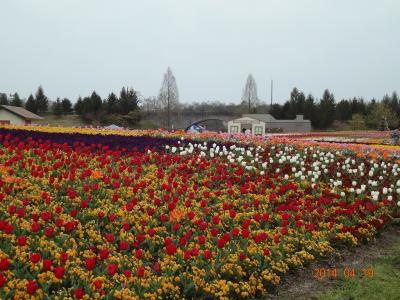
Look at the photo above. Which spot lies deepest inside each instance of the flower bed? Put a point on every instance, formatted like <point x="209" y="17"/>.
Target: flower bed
<point x="185" y="219"/>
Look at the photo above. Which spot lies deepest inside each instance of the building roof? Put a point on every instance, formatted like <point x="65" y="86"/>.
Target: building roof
<point x="113" y="126"/>
<point x="22" y="112"/>
<point x="261" y="117"/>
<point x="267" y="118"/>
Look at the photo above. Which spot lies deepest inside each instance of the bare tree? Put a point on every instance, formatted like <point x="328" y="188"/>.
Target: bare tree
<point x="250" y="93"/>
<point x="169" y="96"/>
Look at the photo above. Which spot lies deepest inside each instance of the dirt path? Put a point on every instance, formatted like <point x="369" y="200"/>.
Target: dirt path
<point x="303" y="285"/>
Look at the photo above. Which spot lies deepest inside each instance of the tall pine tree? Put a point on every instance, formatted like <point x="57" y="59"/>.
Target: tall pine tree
<point x="3" y="99"/>
<point x="66" y="106"/>
<point x="326" y="109"/>
<point x="16" y="100"/>
<point x="31" y="104"/>
<point x="42" y="101"/>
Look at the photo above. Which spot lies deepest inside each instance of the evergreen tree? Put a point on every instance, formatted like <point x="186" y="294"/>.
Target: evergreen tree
<point x="128" y="101"/>
<point x="395" y="103"/>
<point x="57" y="107"/>
<point x="95" y="103"/>
<point x="288" y="111"/>
<point x="78" y="107"/>
<point x="111" y="104"/>
<point x="3" y="99"/>
<point x="42" y="101"/>
<point x="276" y="111"/>
<point x="297" y="102"/>
<point x="358" y="106"/>
<point x="343" y="110"/>
<point x="66" y="106"/>
<point x="310" y="110"/>
<point x="16" y="100"/>
<point x="31" y="104"/>
<point x="326" y="109"/>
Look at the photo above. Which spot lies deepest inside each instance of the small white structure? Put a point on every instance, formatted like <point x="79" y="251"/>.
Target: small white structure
<point x="260" y="124"/>
<point x="113" y="127"/>
<point x="16" y="115"/>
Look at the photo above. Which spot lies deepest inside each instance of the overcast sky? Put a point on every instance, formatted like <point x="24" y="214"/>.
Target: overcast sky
<point x="72" y="47"/>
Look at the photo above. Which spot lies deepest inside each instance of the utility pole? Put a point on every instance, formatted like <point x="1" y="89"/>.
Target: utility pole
<point x="168" y="106"/>
<point x="272" y="91"/>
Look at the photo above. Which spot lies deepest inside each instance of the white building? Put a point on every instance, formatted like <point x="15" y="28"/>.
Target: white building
<point x="16" y="115"/>
<point x="260" y="124"/>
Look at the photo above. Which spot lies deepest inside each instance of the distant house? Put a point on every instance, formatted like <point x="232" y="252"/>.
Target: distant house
<point x="16" y="115"/>
<point x="260" y="124"/>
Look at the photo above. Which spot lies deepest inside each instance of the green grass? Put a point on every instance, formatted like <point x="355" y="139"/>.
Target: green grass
<point x="384" y="285"/>
<point x="67" y="120"/>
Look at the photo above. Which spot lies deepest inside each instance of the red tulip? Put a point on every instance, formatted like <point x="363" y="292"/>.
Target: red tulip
<point x="170" y="249"/>
<point x="59" y="272"/>
<point x="59" y="222"/>
<point x="110" y="237"/>
<point x="284" y="231"/>
<point x="64" y="257"/>
<point x="104" y="253"/>
<point x="127" y="273"/>
<point x="215" y="220"/>
<point x="49" y="231"/>
<point x="98" y="284"/>
<point x="277" y="238"/>
<point x="2" y="280"/>
<point x="123" y="245"/>
<point x="4" y="264"/>
<point x="245" y="233"/>
<point x="112" y="269"/>
<point x="152" y="232"/>
<point x="195" y="252"/>
<point x="21" y="240"/>
<point x="35" y="227"/>
<point x="12" y="209"/>
<point x="69" y="226"/>
<point x="221" y="243"/>
<point x="46" y="215"/>
<point x="21" y="212"/>
<point x="47" y="263"/>
<point x="235" y="231"/>
<point x="90" y="263"/>
<point x="207" y="254"/>
<point x="138" y="253"/>
<point x="73" y="213"/>
<point x="186" y="254"/>
<point x="79" y="293"/>
<point x="156" y="267"/>
<point x="35" y="257"/>
<point x="126" y="226"/>
<point x="140" y="272"/>
<point x="214" y="232"/>
<point x="112" y="217"/>
<point x="31" y="287"/>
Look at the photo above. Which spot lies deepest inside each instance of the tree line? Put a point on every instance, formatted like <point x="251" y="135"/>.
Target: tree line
<point x="357" y="112"/>
<point x="36" y="104"/>
<point x="122" y="110"/>
<point x="128" y="108"/>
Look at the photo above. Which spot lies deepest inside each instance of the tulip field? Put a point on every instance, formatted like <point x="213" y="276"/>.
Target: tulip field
<point x="87" y="213"/>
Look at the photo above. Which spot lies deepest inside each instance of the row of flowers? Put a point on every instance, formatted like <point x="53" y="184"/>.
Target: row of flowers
<point x="181" y="219"/>
<point x="360" y="141"/>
